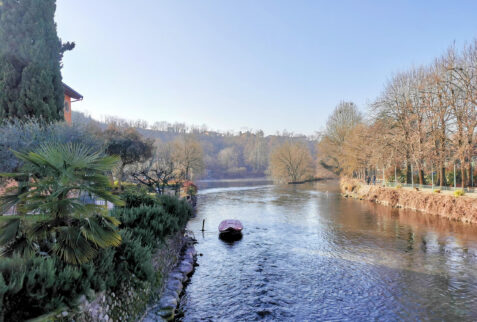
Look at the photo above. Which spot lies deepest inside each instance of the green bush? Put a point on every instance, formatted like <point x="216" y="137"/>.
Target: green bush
<point x="135" y="196"/>
<point x="459" y="193"/>
<point x="134" y="258"/>
<point x="152" y="223"/>
<point x="28" y="135"/>
<point x="33" y="286"/>
<point x="30" y="287"/>
<point x="179" y="208"/>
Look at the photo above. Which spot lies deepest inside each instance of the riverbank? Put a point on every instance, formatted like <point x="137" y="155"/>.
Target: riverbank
<point x="461" y="208"/>
<point x="311" y="180"/>
<point x="173" y="285"/>
<point x="131" y="300"/>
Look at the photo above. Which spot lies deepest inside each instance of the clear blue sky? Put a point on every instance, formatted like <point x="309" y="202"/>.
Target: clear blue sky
<point x="253" y="64"/>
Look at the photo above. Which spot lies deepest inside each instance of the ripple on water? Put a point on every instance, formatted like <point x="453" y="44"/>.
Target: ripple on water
<point x="310" y="255"/>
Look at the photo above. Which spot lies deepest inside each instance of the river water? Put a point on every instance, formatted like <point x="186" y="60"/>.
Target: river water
<point x="308" y="254"/>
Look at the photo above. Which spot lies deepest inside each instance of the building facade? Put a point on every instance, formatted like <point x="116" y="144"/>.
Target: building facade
<point x="70" y="96"/>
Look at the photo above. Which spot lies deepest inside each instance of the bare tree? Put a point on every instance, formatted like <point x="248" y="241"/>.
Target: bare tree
<point x="291" y="162"/>
<point x="188" y="155"/>
<point x="157" y="172"/>
<point x="339" y="125"/>
<point x="256" y="151"/>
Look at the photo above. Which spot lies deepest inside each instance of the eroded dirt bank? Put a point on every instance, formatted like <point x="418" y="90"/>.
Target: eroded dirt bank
<point x="454" y="208"/>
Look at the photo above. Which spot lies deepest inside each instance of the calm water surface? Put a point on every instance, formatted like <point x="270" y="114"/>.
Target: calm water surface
<point x="308" y="255"/>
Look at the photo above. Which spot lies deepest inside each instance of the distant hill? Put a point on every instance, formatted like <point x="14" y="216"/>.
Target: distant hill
<point x="227" y="155"/>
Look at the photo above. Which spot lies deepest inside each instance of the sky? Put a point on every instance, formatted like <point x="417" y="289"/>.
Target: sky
<point x="248" y="64"/>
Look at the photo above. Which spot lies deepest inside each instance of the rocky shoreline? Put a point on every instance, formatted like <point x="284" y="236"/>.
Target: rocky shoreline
<point x="463" y="209"/>
<point x="174" y="284"/>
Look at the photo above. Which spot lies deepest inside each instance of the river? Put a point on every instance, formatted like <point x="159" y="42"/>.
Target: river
<point x="308" y="254"/>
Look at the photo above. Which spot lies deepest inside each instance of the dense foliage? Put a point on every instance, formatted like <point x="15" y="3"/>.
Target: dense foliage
<point x="32" y="286"/>
<point x="51" y="183"/>
<point x="128" y="144"/>
<point x="28" y="135"/>
<point x="150" y="220"/>
<point x="30" y="60"/>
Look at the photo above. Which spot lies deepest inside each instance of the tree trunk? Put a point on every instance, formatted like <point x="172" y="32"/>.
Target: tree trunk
<point x="186" y="173"/>
<point x="421" y="177"/>
<point x="442" y="175"/>
<point x="408" y="173"/>
<point x="469" y="173"/>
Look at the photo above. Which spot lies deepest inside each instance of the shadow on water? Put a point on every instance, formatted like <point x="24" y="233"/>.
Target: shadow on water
<point x="230" y="240"/>
<point x="309" y="254"/>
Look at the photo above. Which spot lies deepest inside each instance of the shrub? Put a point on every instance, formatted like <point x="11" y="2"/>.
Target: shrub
<point x="30" y="134"/>
<point x="152" y="223"/>
<point x="437" y="190"/>
<point x="178" y="208"/>
<point x="398" y="186"/>
<point x="134" y="258"/>
<point x="135" y="196"/>
<point x="33" y="286"/>
<point x="459" y="193"/>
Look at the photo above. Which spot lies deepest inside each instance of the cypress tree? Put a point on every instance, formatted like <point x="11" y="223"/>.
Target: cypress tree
<point x="30" y="61"/>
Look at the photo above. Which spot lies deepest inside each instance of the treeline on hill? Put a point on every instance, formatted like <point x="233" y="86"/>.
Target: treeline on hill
<point x="225" y="155"/>
<point x="423" y="124"/>
<point x="160" y="159"/>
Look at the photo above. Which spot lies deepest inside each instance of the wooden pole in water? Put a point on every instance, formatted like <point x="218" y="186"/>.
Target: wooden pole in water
<point x="203" y="224"/>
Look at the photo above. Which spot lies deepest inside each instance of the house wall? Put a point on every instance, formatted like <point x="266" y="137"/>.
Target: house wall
<point x="67" y="113"/>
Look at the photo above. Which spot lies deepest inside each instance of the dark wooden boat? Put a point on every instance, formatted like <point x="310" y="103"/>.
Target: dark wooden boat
<point x="230" y="229"/>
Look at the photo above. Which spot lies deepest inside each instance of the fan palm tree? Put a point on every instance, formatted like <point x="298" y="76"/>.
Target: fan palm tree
<point x="52" y="219"/>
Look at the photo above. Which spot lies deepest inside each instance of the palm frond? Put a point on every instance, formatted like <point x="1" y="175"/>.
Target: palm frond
<point x="54" y="178"/>
<point x="9" y="231"/>
<point x="102" y="236"/>
<point x="72" y="247"/>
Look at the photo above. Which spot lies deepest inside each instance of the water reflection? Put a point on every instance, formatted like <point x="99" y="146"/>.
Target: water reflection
<point x="309" y="254"/>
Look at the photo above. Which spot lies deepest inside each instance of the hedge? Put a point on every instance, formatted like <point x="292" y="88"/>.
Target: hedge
<point x="33" y="286"/>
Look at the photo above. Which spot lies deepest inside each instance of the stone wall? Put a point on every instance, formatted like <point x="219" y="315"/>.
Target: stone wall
<point x="462" y="208"/>
<point x="166" y="308"/>
<point x="131" y="301"/>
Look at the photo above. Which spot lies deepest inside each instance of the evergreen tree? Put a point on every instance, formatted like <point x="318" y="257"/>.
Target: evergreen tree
<point x="30" y="60"/>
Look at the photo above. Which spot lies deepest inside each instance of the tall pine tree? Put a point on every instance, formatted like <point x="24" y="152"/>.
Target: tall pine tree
<point x="30" y="61"/>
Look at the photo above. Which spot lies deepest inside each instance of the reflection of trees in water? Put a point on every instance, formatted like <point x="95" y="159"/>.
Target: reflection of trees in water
<point x="420" y="223"/>
<point x="296" y="196"/>
<point x="416" y="238"/>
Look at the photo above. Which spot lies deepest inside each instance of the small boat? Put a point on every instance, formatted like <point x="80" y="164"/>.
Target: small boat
<point x="230" y="229"/>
